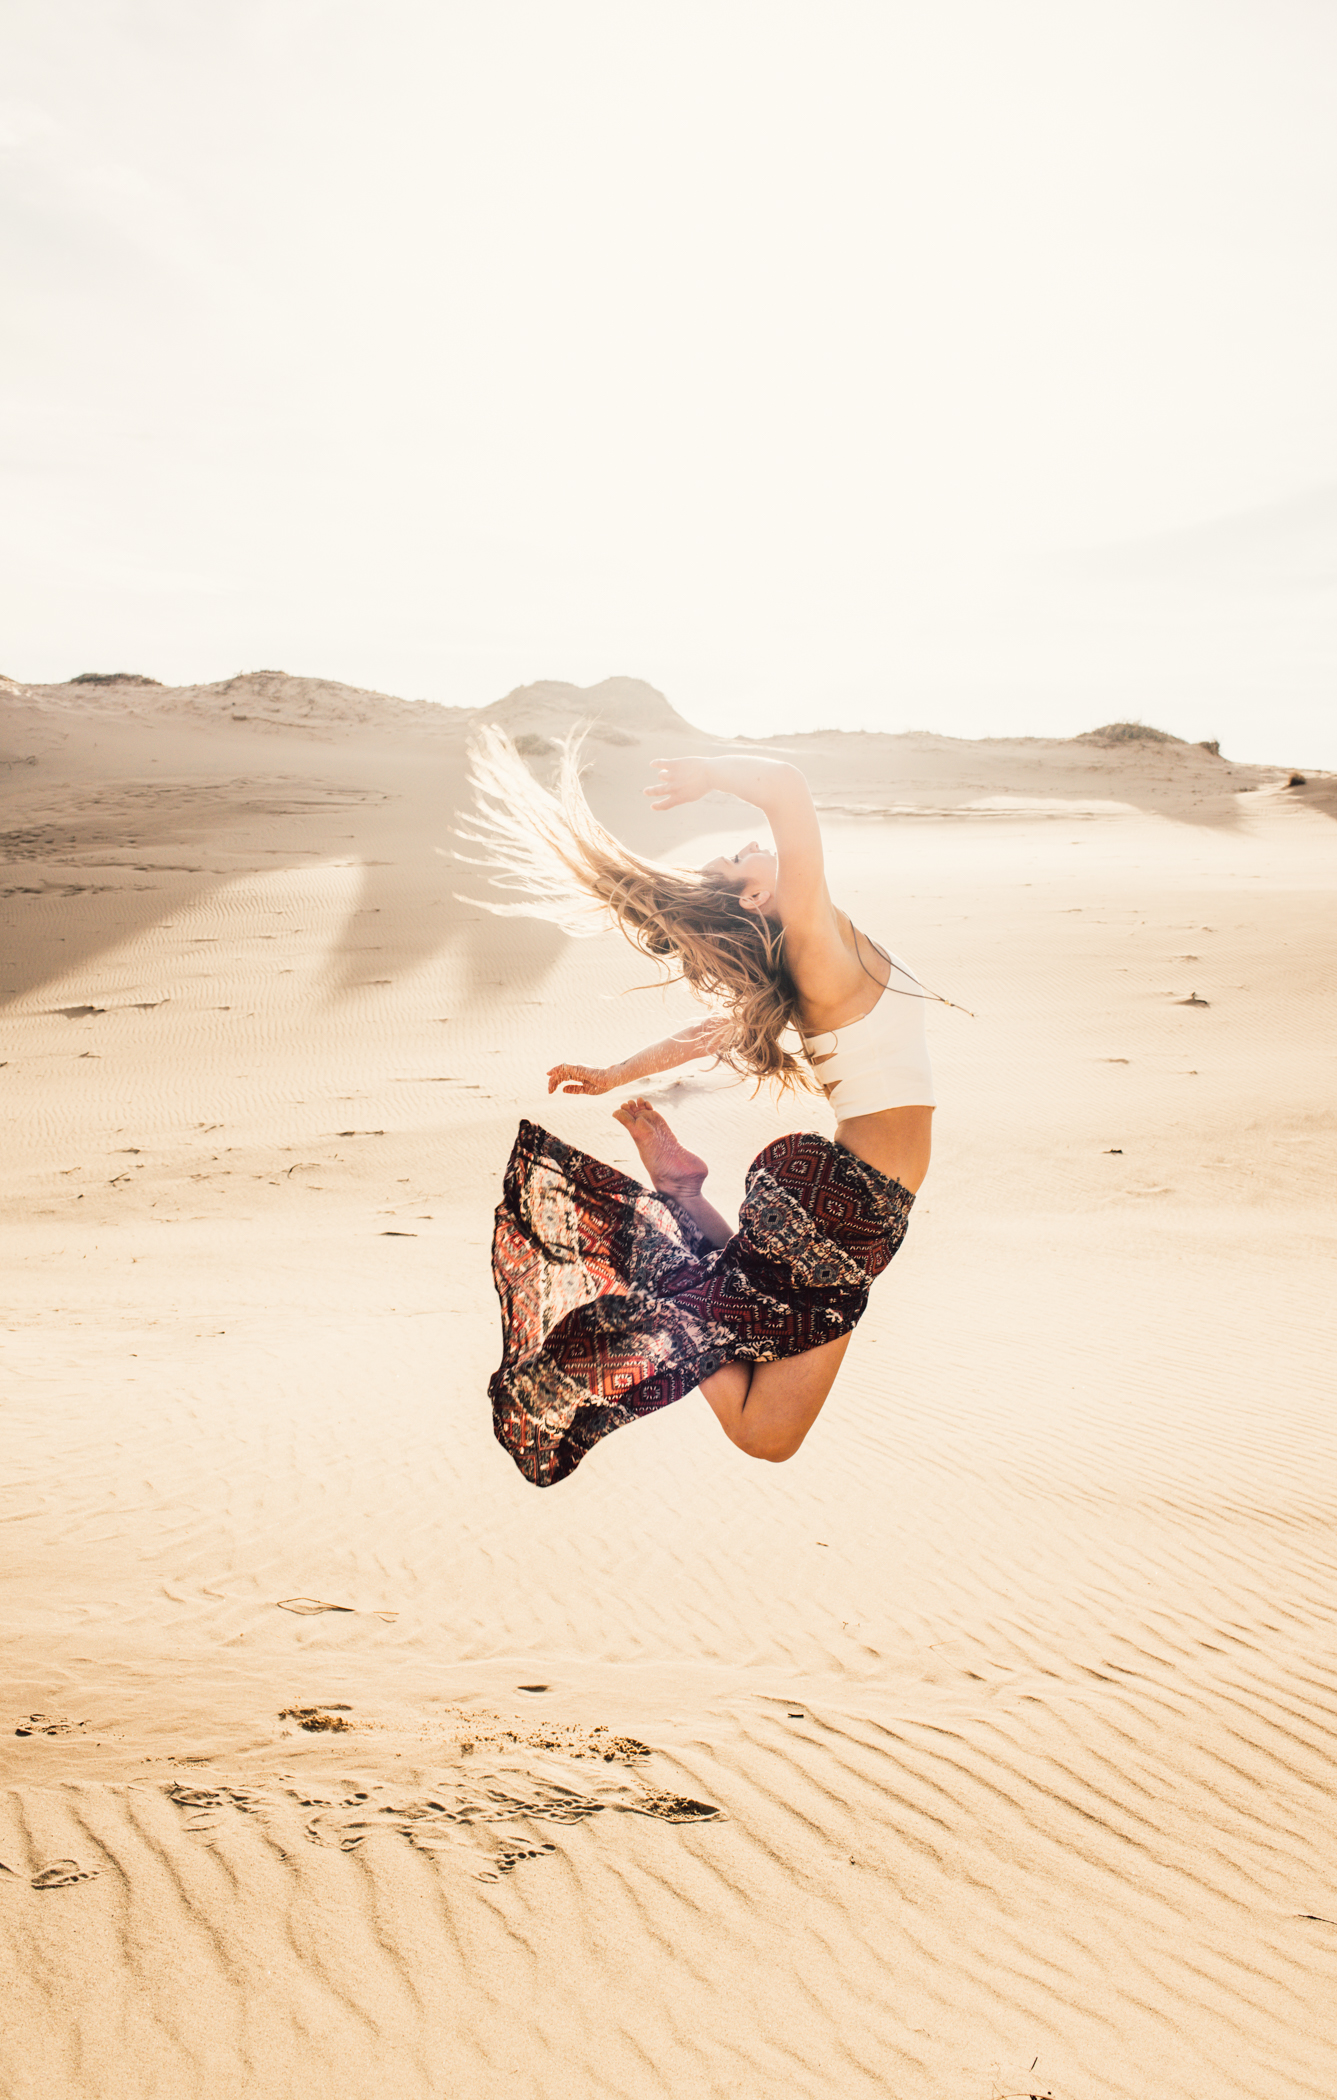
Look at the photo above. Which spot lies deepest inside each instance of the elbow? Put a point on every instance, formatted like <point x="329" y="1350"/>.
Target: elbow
<point x="784" y="779"/>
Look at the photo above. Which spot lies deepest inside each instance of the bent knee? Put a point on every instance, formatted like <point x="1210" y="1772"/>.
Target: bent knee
<point x="773" y="1449"/>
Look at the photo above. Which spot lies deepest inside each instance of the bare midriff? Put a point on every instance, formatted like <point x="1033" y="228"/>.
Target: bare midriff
<point x="897" y="1141"/>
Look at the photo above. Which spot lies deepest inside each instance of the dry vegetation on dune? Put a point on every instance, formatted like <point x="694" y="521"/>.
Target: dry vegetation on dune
<point x="1130" y="733"/>
<point x="984" y="1749"/>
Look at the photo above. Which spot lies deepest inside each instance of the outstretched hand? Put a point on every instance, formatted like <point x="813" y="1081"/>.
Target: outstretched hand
<point x="680" y="780"/>
<point x="579" y="1079"/>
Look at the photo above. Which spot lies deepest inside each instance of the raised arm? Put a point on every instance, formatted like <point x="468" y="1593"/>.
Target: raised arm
<point x="772" y="785"/>
<point x="699" y="1039"/>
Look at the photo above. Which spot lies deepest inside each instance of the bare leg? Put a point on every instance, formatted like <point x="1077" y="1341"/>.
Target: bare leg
<point x="673" y="1170"/>
<point x="768" y="1409"/>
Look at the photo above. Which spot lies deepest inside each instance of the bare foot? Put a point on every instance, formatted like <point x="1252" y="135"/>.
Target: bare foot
<point x="673" y="1170"/>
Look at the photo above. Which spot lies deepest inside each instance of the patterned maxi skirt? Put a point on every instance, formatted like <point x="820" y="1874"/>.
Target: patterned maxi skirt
<point x="613" y="1304"/>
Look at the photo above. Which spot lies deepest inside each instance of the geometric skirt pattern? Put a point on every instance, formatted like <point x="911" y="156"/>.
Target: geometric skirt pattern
<point x="614" y="1305"/>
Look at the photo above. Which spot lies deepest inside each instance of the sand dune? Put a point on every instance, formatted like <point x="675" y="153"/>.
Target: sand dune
<point x="984" y="1749"/>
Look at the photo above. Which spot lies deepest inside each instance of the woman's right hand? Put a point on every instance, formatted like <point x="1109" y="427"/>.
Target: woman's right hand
<point x="580" y="1079"/>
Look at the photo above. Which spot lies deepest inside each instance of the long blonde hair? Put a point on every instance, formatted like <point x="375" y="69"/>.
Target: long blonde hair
<point x="550" y="846"/>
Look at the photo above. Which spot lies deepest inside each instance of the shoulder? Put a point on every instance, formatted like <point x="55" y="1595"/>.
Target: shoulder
<point x="821" y="957"/>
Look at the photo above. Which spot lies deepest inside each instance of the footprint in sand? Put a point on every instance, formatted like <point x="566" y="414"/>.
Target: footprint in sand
<point x="554" y="1773"/>
<point x="203" y="1804"/>
<point x="62" y="1873"/>
<point x="328" y="1720"/>
<point x="509" y="1856"/>
<point x="674" y="1808"/>
<point x="432" y="1822"/>
<point x="48" y="1724"/>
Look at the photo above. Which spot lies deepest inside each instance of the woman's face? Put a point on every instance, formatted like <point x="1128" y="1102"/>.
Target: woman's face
<point x="751" y="871"/>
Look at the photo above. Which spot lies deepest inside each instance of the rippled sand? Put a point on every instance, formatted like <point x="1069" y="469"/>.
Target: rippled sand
<point x="986" y="1748"/>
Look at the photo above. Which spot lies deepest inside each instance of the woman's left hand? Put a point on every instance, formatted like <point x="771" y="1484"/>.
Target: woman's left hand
<point x="680" y="780"/>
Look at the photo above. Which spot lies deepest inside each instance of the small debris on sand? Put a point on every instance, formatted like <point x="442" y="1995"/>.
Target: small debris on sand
<point x="319" y="1720"/>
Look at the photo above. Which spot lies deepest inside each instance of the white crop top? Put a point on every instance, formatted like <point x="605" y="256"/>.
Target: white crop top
<point x="881" y="1060"/>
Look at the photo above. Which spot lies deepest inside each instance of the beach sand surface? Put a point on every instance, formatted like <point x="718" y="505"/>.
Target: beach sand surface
<point x="986" y="1748"/>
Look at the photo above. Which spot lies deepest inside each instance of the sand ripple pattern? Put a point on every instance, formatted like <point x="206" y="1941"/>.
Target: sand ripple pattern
<point x="986" y="1749"/>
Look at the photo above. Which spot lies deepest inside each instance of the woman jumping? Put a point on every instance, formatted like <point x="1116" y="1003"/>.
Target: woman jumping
<point x="616" y="1299"/>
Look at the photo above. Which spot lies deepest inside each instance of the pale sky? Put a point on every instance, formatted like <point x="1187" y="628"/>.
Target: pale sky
<point x="962" y="364"/>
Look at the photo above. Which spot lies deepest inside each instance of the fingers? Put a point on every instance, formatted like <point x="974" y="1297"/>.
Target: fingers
<point x="574" y="1079"/>
<point x="587" y="1079"/>
<point x="680" y="780"/>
